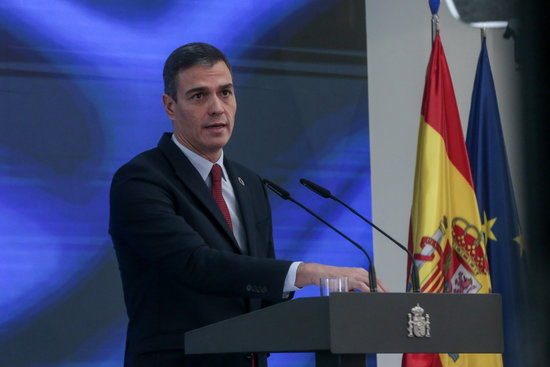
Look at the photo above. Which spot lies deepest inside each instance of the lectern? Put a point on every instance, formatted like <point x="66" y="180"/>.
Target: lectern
<point x="342" y="328"/>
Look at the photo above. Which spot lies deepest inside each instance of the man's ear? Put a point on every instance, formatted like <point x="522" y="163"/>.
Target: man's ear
<point x="169" y="106"/>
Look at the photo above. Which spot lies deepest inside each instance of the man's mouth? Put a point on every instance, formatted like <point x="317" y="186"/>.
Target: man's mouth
<point x="217" y="125"/>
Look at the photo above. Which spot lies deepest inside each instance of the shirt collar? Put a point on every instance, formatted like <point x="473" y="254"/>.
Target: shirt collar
<point x="201" y="164"/>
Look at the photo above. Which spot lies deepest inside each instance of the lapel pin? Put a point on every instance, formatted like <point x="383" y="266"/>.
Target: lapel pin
<point x="241" y="181"/>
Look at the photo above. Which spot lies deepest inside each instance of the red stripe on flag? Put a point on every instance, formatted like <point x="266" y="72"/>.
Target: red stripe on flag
<point x="421" y="360"/>
<point x="440" y="288"/>
<point x="436" y="274"/>
<point x="441" y="112"/>
<point x="434" y="286"/>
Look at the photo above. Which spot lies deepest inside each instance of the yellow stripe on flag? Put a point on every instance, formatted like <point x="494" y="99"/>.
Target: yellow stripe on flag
<point x="442" y="197"/>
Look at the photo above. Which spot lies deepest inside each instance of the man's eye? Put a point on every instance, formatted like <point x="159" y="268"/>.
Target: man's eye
<point x="226" y="93"/>
<point x="197" y="96"/>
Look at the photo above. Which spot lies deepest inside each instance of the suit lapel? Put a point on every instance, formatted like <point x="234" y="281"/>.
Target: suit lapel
<point x="191" y="178"/>
<point x="245" y="204"/>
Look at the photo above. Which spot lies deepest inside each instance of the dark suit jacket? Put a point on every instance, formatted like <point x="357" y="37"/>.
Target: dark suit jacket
<point x="180" y="264"/>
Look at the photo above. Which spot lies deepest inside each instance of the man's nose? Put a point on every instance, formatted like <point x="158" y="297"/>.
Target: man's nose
<point x="216" y="106"/>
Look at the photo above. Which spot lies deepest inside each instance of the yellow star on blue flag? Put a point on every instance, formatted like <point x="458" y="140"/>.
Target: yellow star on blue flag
<point x="486" y="228"/>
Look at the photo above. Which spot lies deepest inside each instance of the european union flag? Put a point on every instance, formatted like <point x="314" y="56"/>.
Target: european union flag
<point x="497" y="207"/>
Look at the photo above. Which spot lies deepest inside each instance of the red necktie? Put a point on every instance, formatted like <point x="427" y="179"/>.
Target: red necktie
<point x="217" y="192"/>
<point x="216" y="173"/>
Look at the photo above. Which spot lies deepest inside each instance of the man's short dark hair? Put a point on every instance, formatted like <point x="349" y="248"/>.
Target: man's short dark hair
<point x="186" y="56"/>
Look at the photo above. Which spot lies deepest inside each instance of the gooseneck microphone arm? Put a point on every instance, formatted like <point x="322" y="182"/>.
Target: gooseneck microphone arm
<point x="321" y="191"/>
<point x="286" y="196"/>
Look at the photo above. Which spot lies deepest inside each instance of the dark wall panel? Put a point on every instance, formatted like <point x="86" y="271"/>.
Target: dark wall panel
<point x="80" y="94"/>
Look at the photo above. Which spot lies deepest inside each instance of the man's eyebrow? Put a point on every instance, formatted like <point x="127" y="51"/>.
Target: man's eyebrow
<point x="195" y="90"/>
<point x="204" y="89"/>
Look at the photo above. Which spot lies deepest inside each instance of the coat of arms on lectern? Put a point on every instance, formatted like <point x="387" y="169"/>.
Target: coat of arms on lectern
<point x="419" y="325"/>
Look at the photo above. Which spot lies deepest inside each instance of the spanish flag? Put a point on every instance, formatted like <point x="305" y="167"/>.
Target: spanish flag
<point x="445" y="234"/>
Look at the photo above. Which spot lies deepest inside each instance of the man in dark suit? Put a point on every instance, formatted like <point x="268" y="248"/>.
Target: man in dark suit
<point x="192" y="229"/>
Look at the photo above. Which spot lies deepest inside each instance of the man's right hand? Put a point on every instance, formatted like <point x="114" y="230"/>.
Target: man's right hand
<point x="358" y="278"/>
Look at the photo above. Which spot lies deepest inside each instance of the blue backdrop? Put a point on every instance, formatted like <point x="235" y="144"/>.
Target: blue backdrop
<point x="80" y="94"/>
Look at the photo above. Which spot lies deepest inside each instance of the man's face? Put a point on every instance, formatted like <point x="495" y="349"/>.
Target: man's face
<point x="204" y="114"/>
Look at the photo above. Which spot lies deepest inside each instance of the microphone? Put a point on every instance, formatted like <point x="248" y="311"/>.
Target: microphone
<point x="321" y="191"/>
<point x="286" y="196"/>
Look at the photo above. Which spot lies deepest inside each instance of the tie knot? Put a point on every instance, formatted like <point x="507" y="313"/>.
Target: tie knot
<point x="216" y="173"/>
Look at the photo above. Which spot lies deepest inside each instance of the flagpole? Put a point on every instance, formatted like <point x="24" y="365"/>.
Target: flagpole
<point x="434" y="8"/>
<point x="483" y="34"/>
<point x="435" y="26"/>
